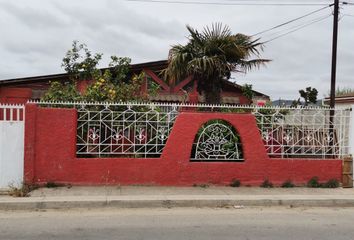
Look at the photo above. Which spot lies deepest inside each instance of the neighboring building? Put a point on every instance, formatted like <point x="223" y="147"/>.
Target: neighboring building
<point x="346" y="100"/>
<point x="20" y="90"/>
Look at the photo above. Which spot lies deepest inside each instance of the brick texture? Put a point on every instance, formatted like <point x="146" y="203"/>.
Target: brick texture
<point x="50" y="138"/>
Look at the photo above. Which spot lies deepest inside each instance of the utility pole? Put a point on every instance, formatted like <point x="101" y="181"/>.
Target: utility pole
<point x="334" y="53"/>
<point x="333" y="76"/>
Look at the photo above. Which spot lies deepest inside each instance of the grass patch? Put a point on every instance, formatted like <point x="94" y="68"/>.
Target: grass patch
<point x="23" y="190"/>
<point x="235" y="183"/>
<point x="267" y="184"/>
<point x="332" y="183"/>
<point x="288" y="184"/>
<point x="313" y="183"/>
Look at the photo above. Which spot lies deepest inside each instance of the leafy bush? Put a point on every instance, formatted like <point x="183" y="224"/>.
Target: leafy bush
<point x="111" y="85"/>
<point x="332" y="183"/>
<point x="247" y="91"/>
<point x="267" y="184"/>
<point x="62" y="92"/>
<point x="235" y="183"/>
<point x="313" y="183"/>
<point x="288" y="184"/>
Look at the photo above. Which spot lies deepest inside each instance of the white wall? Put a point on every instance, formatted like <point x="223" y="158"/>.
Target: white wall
<point x="11" y="153"/>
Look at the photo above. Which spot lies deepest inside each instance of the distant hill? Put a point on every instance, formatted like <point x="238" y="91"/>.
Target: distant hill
<point x="287" y="103"/>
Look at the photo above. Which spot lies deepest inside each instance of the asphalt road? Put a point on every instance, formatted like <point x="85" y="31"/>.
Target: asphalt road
<point x="203" y="224"/>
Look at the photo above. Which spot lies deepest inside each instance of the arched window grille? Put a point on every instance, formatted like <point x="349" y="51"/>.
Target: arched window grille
<point x="217" y="141"/>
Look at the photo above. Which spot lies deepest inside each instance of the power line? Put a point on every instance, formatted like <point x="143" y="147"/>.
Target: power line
<point x="300" y="27"/>
<point x="243" y="3"/>
<point x="291" y="21"/>
<point x="240" y="3"/>
<point x="293" y="27"/>
<point x="347" y="3"/>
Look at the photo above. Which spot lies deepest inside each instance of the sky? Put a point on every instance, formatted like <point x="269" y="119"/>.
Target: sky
<point x="35" y="35"/>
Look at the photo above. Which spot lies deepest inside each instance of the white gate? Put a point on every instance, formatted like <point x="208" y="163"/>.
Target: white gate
<point x="11" y="145"/>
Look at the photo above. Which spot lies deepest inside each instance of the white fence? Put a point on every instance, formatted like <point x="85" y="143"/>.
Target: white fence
<point x="11" y="145"/>
<point x="303" y="133"/>
<point x="123" y="131"/>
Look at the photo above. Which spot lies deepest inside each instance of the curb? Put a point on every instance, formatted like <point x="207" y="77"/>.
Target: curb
<point x="172" y="203"/>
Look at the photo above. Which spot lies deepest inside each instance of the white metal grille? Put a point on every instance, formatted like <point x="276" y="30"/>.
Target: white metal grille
<point x="217" y="140"/>
<point x="142" y="129"/>
<point x="125" y="130"/>
<point x="304" y="132"/>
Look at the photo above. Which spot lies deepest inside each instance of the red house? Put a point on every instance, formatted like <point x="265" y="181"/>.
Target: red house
<point x="20" y="90"/>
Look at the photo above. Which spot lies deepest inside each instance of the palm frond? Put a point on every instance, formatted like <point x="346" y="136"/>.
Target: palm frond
<point x="211" y="55"/>
<point x="251" y="64"/>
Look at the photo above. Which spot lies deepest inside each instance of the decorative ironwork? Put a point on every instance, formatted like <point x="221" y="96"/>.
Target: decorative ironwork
<point x="125" y="131"/>
<point x="303" y="133"/>
<point x="142" y="129"/>
<point x="217" y="141"/>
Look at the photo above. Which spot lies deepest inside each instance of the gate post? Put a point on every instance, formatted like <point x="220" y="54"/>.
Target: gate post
<point x="351" y="137"/>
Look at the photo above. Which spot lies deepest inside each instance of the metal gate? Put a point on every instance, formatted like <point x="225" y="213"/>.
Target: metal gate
<point x="11" y="145"/>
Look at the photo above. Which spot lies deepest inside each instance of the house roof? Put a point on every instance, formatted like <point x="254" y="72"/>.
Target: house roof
<point x="346" y="98"/>
<point x="232" y="84"/>
<point x="135" y="68"/>
<point x="156" y="65"/>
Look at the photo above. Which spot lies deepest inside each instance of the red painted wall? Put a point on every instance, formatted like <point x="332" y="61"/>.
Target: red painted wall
<point x="82" y="85"/>
<point x="15" y="95"/>
<point x="50" y="137"/>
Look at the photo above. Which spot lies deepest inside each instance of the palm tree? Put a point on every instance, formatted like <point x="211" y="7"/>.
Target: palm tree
<point x="211" y="56"/>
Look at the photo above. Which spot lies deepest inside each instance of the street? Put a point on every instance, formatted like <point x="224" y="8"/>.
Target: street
<point x="187" y="223"/>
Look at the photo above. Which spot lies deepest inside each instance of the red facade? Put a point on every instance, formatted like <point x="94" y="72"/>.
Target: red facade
<point x="50" y="156"/>
<point x="185" y="90"/>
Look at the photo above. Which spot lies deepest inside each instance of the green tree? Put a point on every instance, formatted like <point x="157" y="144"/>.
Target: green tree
<point x="296" y="103"/>
<point x="309" y="95"/>
<point x="248" y="92"/>
<point x="79" y="62"/>
<point x="345" y="91"/>
<point x="110" y="85"/>
<point x="211" y="56"/>
<point x="62" y="92"/>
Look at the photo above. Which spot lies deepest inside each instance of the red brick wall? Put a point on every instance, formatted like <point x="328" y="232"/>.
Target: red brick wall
<point x="15" y="95"/>
<point x="50" y="138"/>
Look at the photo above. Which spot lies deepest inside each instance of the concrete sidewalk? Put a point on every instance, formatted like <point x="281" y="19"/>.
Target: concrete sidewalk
<point x="168" y="197"/>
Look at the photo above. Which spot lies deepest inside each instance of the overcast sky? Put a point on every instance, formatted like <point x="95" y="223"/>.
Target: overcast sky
<point x="36" y="34"/>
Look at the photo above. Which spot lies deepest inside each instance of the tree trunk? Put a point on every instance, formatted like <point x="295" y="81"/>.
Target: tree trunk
<point x="212" y="91"/>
